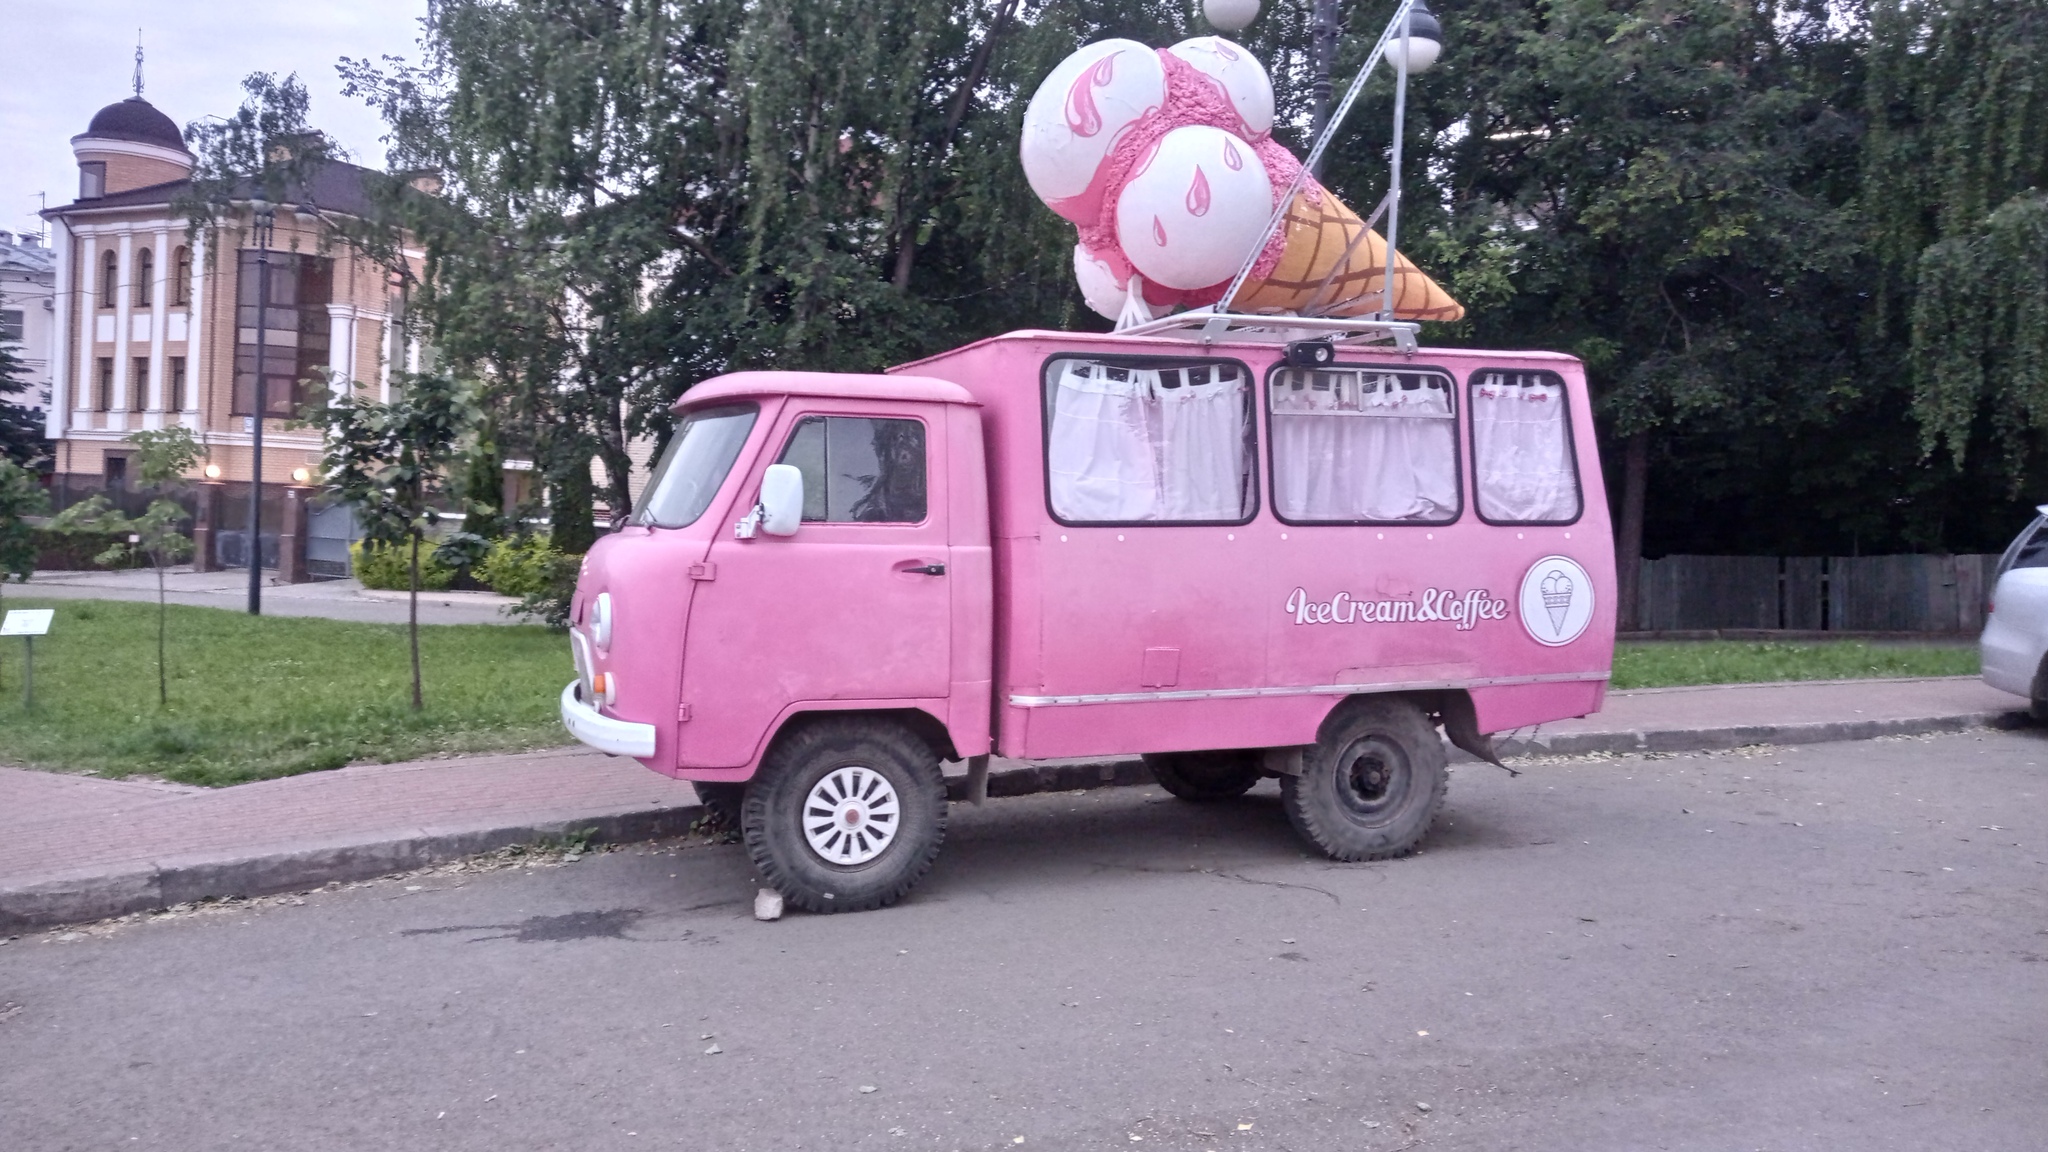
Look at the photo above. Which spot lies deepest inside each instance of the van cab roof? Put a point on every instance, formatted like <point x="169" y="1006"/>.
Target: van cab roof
<point x="835" y="385"/>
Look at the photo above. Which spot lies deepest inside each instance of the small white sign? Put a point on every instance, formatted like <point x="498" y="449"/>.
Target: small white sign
<point x="27" y="622"/>
<point x="1556" y="601"/>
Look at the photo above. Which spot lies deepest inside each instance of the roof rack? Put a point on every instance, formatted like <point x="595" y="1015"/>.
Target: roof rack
<point x="1210" y="326"/>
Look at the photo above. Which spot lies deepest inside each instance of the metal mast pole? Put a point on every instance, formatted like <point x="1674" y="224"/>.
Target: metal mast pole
<point x="1394" y="181"/>
<point x="262" y="215"/>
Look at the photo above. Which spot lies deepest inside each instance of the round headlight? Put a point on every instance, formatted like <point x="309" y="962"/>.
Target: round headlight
<point x="601" y="620"/>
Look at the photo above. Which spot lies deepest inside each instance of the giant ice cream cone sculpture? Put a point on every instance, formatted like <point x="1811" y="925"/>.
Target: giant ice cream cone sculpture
<point x="1165" y="162"/>
<point x="1331" y="264"/>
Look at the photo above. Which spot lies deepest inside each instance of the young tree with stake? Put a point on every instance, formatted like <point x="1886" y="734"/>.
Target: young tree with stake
<point x="388" y="462"/>
<point x="163" y="457"/>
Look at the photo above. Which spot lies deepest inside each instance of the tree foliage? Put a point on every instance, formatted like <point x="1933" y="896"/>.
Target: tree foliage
<point x="1793" y="240"/>
<point x="391" y="461"/>
<point x="21" y="427"/>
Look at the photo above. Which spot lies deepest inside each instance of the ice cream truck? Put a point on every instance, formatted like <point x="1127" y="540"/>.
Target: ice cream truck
<point x="1238" y="558"/>
<point x="1257" y="531"/>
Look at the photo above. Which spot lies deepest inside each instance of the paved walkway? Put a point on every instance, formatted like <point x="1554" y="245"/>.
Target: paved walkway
<point x="332" y="599"/>
<point x="76" y="848"/>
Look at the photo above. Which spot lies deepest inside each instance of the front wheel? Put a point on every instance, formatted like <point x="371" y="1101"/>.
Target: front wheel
<point x="1371" y="783"/>
<point x="846" y="814"/>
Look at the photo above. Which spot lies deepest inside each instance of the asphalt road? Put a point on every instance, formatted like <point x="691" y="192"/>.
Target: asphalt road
<point x="1835" y="947"/>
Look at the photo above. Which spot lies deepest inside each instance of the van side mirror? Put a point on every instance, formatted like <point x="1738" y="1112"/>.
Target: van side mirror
<point x="782" y="500"/>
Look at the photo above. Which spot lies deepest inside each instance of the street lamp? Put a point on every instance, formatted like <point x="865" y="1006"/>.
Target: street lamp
<point x="263" y="216"/>
<point x="1420" y="42"/>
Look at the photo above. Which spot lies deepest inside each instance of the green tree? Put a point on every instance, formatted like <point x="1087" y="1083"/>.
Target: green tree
<point x="21" y="497"/>
<point x="21" y="427"/>
<point x="1956" y="188"/>
<point x="1642" y="183"/>
<point x="163" y="459"/>
<point x="390" y="462"/>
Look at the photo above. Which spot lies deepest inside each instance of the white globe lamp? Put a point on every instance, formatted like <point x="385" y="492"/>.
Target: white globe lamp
<point x="1425" y="38"/>
<point x="1230" y="15"/>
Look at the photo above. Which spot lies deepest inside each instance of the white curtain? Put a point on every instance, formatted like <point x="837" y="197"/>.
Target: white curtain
<point x="1134" y="444"/>
<point x="1522" y="449"/>
<point x="1360" y="446"/>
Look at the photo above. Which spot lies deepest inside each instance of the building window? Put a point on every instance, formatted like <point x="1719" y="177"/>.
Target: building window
<point x="1365" y="445"/>
<point x="116" y="472"/>
<point x="11" y="326"/>
<point x="176" y="400"/>
<point x="859" y="469"/>
<point x="103" y="385"/>
<point x="145" y="277"/>
<point x="92" y="179"/>
<point x="1149" y="441"/>
<point x="140" y="399"/>
<point x="181" y="276"/>
<point x="110" y="278"/>
<point x="295" y="329"/>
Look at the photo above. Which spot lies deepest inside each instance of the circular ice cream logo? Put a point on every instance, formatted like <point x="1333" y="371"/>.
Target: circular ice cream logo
<point x="1557" y="600"/>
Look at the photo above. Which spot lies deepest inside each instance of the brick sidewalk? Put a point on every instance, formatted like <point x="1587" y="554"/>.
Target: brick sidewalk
<point x="76" y="848"/>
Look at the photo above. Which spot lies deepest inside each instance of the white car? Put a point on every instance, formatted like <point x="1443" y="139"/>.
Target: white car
<point x="2016" y="620"/>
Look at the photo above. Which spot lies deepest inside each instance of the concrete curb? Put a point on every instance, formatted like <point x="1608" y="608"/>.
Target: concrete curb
<point x="73" y="897"/>
<point x="1737" y="736"/>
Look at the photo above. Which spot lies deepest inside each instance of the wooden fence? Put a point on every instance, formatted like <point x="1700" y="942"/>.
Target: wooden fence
<point x="1815" y="593"/>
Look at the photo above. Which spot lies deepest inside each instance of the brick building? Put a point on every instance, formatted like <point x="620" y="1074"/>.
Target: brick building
<point x="157" y="327"/>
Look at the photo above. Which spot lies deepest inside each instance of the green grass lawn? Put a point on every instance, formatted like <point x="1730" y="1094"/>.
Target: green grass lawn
<point x="258" y="697"/>
<point x="254" y="698"/>
<point x="1664" y="664"/>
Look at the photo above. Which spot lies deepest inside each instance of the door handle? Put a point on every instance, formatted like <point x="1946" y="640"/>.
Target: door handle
<point x="928" y="570"/>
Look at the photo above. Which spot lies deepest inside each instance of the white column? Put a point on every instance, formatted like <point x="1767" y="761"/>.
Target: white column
<point x="88" y="320"/>
<point x="197" y="331"/>
<point x="159" y="312"/>
<point x="341" y="347"/>
<point x="124" y="311"/>
<point x="60" y="349"/>
<point x="387" y="354"/>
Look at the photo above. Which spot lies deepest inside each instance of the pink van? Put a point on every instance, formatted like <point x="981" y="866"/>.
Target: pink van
<point x="1236" y="556"/>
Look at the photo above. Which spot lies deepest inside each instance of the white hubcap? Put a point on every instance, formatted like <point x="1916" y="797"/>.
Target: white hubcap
<point x="851" y="816"/>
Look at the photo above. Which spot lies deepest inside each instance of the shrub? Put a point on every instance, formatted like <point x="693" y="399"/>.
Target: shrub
<point x="530" y="568"/>
<point x="386" y="569"/>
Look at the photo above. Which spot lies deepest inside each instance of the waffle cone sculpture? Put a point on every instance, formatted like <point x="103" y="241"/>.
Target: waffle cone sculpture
<point x="1333" y="265"/>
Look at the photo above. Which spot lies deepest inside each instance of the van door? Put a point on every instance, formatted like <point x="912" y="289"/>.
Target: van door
<point x="855" y="606"/>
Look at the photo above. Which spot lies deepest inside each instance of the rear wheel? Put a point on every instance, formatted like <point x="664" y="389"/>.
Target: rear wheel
<point x="1203" y="776"/>
<point x="1371" y="784"/>
<point x="846" y="814"/>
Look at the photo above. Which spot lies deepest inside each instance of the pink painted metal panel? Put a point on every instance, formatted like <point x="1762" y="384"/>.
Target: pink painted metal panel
<point x="1078" y="607"/>
<point x="1520" y="705"/>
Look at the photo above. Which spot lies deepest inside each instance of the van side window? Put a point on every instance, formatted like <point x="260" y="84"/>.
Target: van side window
<point x="1364" y="445"/>
<point x="1136" y="441"/>
<point x="1522" y="460"/>
<point x="859" y="469"/>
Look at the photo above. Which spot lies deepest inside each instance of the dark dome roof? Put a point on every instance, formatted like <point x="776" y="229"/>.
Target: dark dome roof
<point x="138" y="120"/>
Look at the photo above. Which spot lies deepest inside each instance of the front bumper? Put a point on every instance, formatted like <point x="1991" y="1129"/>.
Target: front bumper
<point x="618" y="737"/>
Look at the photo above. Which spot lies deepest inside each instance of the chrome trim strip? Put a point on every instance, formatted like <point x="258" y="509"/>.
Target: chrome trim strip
<point x="1315" y="690"/>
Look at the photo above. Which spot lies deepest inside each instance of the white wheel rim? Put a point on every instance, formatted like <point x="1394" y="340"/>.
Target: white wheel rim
<point x="851" y="816"/>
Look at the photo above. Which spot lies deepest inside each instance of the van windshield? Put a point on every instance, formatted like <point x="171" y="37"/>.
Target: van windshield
<point x="698" y="457"/>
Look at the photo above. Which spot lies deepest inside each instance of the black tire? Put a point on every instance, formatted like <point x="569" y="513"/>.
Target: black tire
<point x="721" y="804"/>
<point x="1204" y="776"/>
<point x="1371" y="784"/>
<point x="773" y="816"/>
